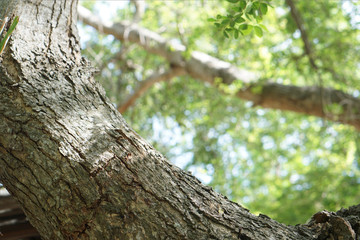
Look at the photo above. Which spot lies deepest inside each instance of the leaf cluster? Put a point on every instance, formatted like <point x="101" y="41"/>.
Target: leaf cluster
<point x="243" y="18"/>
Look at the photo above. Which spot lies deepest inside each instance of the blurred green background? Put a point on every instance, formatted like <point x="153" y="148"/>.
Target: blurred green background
<point x="282" y="164"/>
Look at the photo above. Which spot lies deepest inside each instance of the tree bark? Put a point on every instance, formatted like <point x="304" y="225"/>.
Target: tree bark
<point x="322" y="102"/>
<point x="77" y="169"/>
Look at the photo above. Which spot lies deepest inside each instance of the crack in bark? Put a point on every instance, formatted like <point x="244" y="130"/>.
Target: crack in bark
<point x="124" y="136"/>
<point x="31" y="197"/>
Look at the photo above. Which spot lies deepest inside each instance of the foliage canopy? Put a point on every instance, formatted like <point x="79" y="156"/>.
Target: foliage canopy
<point x="244" y="17"/>
<point x="282" y="164"/>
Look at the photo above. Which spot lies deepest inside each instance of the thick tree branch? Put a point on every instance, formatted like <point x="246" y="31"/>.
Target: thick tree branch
<point x="77" y="169"/>
<point x="160" y="76"/>
<point x="324" y="224"/>
<point x="201" y="66"/>
<point x="80" y="172"/>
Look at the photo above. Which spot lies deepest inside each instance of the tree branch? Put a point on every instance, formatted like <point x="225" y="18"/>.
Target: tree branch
<point x="80" y="172"/>
<point x="139" y="10"/>
<point x="201" y="66"/>
<point x="299" y="23"/>
<point x="160" y="76"/>
<point x="310" y="53"/>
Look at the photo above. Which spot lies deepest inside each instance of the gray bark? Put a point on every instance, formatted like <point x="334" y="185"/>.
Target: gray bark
<point x="77" y="169"/>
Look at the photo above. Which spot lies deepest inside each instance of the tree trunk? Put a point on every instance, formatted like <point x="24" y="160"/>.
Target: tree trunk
<point x="78" y="170"/>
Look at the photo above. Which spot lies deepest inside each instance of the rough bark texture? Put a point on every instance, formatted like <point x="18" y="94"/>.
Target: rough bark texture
<point x="314" y="100"/>
<point x="78" y="170"/>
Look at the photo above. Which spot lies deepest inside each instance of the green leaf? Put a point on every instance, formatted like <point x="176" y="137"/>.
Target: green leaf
<point x="258" y="31"/>
<point x="258" y="19"/>
<point x="236" y="34"/>
<point x="233" y="1"/>
<point x="256" y="5"/>
<point x="226" y="34"/>
<point x="263" y="27"/>
<point x="242" y="4"/>
<point x="239" y="19"/>
<point x="243" y="26"/>
<point x="263" y="8"/>
<point x="225" y="21"/>
<point x="211" y="19"/>
<point x="248" y="16"/>
<point x="8" y="34"/>
<point x="248" y="30"/>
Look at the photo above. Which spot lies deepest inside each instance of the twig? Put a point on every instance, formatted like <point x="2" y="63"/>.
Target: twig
<point x="299" y="23"/>
<point x="307" y="46"/>
<point x="160" y="76"/>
